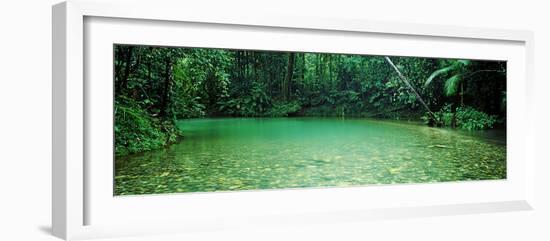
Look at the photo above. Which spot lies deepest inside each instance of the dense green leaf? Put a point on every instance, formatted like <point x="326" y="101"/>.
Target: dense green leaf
<point x="155" y="86"/>
<point x="437" y="73"/>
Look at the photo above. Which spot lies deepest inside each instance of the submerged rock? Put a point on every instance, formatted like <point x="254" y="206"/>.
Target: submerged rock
<point x="440" y="146"/>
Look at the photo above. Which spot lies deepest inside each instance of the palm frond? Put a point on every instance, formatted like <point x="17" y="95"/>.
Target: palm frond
<point x="464" y="61"/>
<point x="451" y="84"/>
<point x="437" y="73"/>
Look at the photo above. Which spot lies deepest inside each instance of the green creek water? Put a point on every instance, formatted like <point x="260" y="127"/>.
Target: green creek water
<point x="249" y="153"/>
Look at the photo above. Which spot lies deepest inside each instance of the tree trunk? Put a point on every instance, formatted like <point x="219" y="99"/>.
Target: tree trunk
<point x="453" y="111"/>
<point x="330" y="80"/>
<point x="461" y="93"/>
<point x="303" y="71"/>
<point x="289" y="73"/>
<point x="166" y="89"/>
<point x="149" y="84"/>
<point x="123" y="84"/>
<point x="321" y="69"/>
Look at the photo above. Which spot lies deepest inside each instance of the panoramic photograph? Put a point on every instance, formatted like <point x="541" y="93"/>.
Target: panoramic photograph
<point x="192" y="119"/>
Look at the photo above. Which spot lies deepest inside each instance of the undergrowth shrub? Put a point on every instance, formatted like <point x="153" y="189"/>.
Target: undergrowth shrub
<point x="467" y="118"/>
<point x="138" y="131"/>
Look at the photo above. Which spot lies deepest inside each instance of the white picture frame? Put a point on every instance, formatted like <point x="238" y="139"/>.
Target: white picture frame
<point x="79" y="194"/>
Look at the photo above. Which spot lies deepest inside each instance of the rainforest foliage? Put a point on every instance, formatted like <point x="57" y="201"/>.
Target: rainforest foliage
<point x="155" y="86"/>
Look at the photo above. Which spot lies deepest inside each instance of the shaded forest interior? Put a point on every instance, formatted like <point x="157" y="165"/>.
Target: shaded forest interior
<point x="156" y="86"/>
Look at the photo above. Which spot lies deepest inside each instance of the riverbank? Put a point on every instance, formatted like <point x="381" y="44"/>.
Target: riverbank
<point x="138" y="132"/>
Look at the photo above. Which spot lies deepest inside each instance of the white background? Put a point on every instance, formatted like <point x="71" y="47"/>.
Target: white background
<point x="25" y="120"/>
<point x="188" y="210"/>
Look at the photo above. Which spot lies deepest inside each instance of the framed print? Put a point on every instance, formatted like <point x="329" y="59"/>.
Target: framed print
<point x="180" y="121"/>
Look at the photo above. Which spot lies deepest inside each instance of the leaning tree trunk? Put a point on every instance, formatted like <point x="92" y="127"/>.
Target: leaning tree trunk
<point x="404" y="79"/>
